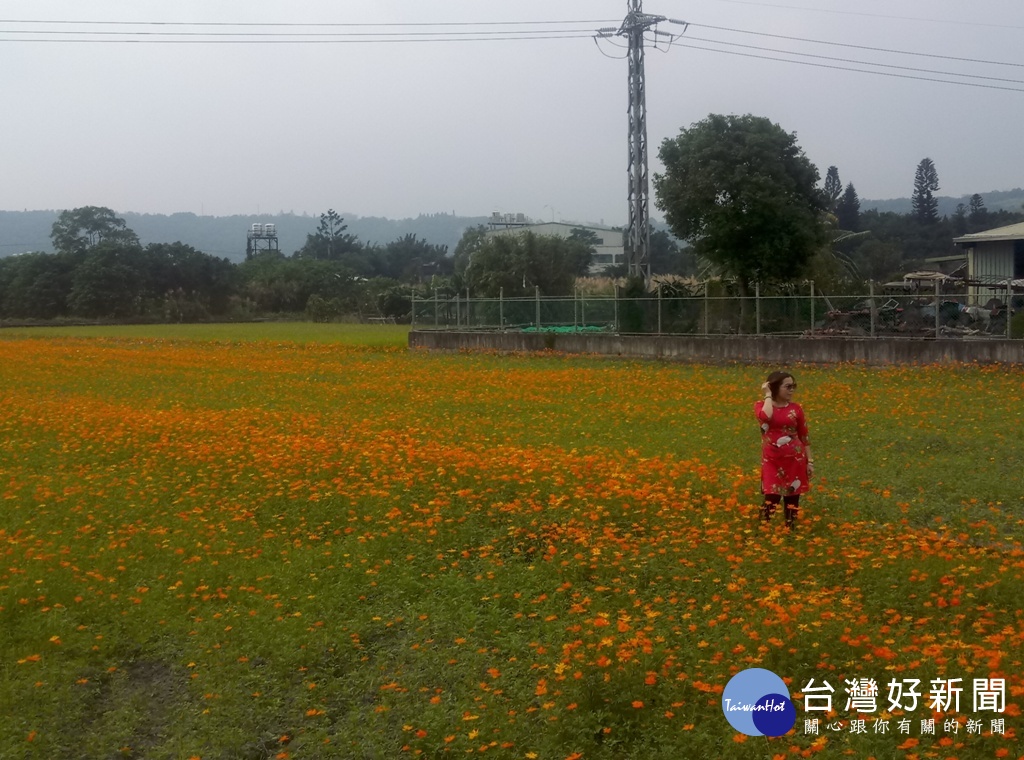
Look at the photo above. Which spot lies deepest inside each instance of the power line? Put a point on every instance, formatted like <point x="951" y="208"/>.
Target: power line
<point x="871" y="15"/>
<point x="309" y="23"/>
<point x="169" y="33"/>
<point x="441" y="36"/>
<point x="858" y="47"/>
<point x="451" y="32"/>
<point x="215" y="36"/>
<point x="846" y="68"/>
<point x="860" y="63"/>
<point x="337" y="41"/>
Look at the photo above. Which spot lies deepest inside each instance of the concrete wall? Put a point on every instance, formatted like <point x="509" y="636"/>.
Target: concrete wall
<point x="727" y="349"/>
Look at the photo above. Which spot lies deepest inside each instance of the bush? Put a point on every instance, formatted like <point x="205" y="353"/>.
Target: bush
<point x="320" y="309"/>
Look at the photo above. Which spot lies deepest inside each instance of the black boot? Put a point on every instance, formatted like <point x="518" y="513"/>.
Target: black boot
<point x="791" y="517"/>
<point x="767" y="510"/>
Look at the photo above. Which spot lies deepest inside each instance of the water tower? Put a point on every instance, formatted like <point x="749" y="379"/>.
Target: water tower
<point x="261" y="237"/>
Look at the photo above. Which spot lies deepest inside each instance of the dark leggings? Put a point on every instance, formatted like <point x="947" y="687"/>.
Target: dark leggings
<point x="771" y="504"/>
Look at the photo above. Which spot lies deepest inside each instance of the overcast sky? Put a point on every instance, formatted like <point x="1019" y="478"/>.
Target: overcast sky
<point x="537" y="126"/>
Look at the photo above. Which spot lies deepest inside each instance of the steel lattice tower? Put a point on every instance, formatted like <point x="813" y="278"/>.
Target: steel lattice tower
<point x="638" y="234"/>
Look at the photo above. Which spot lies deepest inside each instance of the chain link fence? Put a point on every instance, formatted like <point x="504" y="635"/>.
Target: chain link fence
<point x="712" y="312"/>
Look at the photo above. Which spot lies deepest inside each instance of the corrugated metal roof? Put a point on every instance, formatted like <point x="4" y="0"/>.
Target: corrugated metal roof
<point x="1010" y="232"/>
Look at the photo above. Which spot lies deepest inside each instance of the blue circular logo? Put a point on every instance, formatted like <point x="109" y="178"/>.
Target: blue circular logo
<point x="756" y="703"/>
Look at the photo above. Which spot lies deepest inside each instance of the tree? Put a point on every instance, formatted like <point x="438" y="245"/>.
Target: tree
<point x="743" y="193"/>
<point x="977" y="212"/>
<point x="112" y="281"/>
<point x="331" y="228"/>
<point x="408" y="259"/>
<point x="516" y="263"/>
<point x="879" y="261"/>
<point x="36" y="285"/>
<point x="960" y="219"/>
<point x="923" y="201"/>
<point x="330" y="241"/>
<point x="205" y="280"/>
<point x="666" y="258"/>
<point x="589" y="238"/>
<point x="833" y="187"/>
<point x="82" y="228"/>
<point x="848" y="210"/>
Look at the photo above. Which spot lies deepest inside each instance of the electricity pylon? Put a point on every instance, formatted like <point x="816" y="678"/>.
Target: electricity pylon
<point x="638" y="235"/>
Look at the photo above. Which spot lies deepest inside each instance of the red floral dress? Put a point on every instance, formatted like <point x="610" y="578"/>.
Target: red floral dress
<point x="784" y="442"/>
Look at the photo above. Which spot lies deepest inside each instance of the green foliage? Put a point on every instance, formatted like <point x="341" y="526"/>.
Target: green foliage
<point x="833" y="187"/>
<point x="407" y="258"/>
<point x="36" y="285"/>
<point x="848" y="210"/>
<point x="101" y="271"/>
<point x="978" y="212"/>
<point x="330" y="243"/>
<point x="111" y="281"/>
<point x="667" y="257"/>
<point x="82" y="228"/>
<point x="926" y="183"/>
<point x="320" y="309"/>
<point x="959" y="220"/>
<point x="410" y="259"/>
<point x="207" y="281"/>
<point x="274" y="283"/>
<point x="516" y="263"/>
<point x="879" y="261"/>
<point x="472" y="240"/>
<point x="1017" y="325"/>
<point x="391" y="299"/>
<point x="632" y="317"/>
<point x="585" y="236"/>
<point x="331" y="225"/>
<point x="743" y="194"/>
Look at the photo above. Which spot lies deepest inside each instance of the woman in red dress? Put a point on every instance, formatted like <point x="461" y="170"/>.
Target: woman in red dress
<point x="786" y="463"/>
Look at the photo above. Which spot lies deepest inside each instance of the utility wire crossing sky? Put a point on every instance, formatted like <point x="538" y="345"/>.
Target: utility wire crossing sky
<point x="408" y="108"/>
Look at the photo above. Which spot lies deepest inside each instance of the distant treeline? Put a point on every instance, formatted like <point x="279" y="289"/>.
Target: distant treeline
<point x="880" y="246"/>
<point x="995" y="201"/>
<point x="225" y="236"/>
<point x="101" y="270"/>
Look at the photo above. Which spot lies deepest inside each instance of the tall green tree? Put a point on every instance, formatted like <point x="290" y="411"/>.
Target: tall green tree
<point x="833" y="187"/>
<point x="472" y="240"/>
<point x="331" y="228"/>
<point x="206" y="280"/>
<point x="409" y="259"/>
<point x="926" y="182"/>
<point x="666" y="257"/>
<point x="36" y="285"/>
<point x="112" y="281"/>
<point x="79" y="229"/>
<point x="848" y="210"/>
<point x="959" y="219"/>
<point x="977" y="212"/>
<point x="330" y="241"/>
<point x="516" y="263"/>
<point x="745" y="196"/>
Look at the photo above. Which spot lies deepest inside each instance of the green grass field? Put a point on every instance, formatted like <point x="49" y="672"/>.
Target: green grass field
<point x="305" y="541"/>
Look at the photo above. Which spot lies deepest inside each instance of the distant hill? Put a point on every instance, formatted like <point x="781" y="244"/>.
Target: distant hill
<point x="1009" y="200"/>
<point x="224" y="236"/>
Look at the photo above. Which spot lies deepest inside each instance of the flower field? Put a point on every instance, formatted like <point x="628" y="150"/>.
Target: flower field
<point x="272" y="545"/>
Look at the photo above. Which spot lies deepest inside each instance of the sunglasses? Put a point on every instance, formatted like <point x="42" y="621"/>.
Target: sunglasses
<point x="790" y="386"/>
